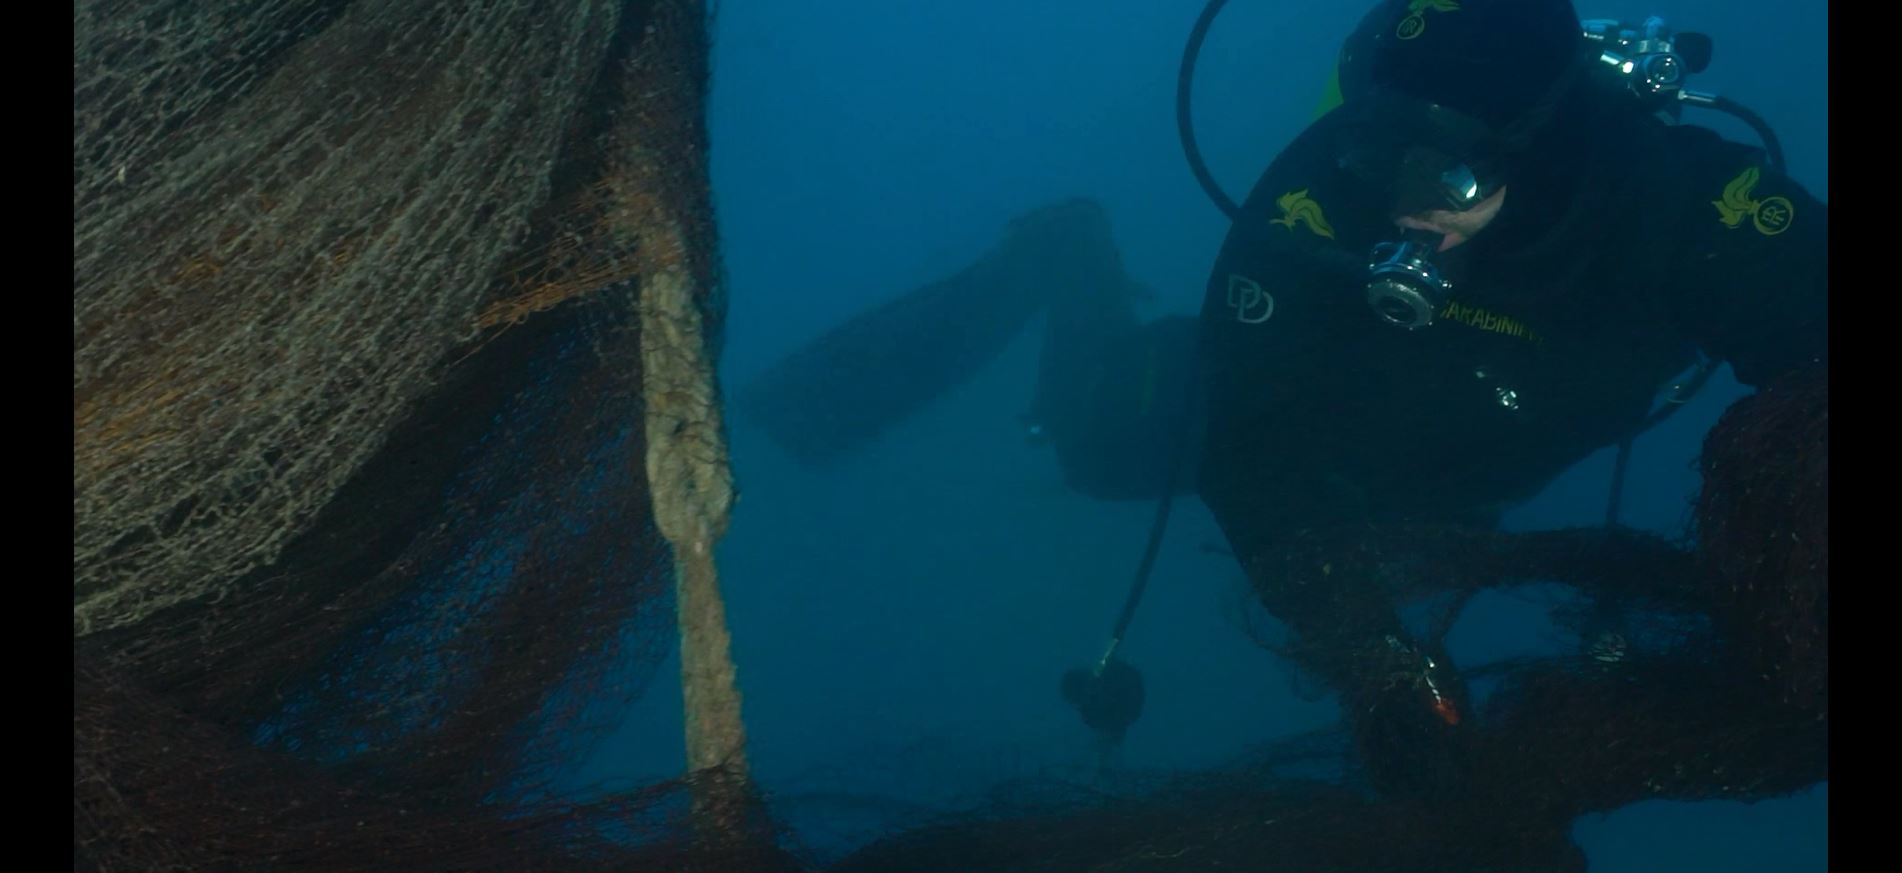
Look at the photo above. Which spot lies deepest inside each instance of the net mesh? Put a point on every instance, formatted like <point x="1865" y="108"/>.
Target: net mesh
<point x="367" y="538"/>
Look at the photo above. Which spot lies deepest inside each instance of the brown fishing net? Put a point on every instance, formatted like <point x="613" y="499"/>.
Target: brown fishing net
<point x="393" y="327"/>
<point x="1763" y="518"/>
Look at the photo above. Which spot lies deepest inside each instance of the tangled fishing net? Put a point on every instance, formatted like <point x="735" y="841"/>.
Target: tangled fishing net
<point x="393" y="434"/>
<point x="398" y="466"/>
<point x="1724" y="696"/>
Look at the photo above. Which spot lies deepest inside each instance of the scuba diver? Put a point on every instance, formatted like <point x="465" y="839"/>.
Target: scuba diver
<point x="1479" y="268"/>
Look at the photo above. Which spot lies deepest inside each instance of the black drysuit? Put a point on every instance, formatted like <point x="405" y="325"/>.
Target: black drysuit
<point x="1624" y="249"/>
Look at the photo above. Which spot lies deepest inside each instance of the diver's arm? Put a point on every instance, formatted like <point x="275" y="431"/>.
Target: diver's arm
<point x="1753" y="284"/>
<point x="1285" y="301"/>
<point x="1284" y="319"/>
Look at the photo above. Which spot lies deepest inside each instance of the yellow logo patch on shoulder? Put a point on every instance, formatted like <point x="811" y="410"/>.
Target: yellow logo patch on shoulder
<point x="1414" y="23"/>
<point x="1771" y="215"/>
<point x="1296" y="206"/>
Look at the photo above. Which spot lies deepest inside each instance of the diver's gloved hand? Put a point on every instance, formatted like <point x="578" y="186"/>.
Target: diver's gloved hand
<point x="1406" y="720"/>
<point x="1109" y="698"/>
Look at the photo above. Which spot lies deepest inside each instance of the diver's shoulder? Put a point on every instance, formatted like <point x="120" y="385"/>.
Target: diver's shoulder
<point x="1694" y="137"/>
<point x="1701" y="146"/>
<point x="1684" y="163"/>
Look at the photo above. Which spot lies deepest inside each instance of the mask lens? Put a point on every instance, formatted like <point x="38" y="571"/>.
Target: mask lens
<point x="1428" y="180"/>
<point x="1425" y="157"/>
